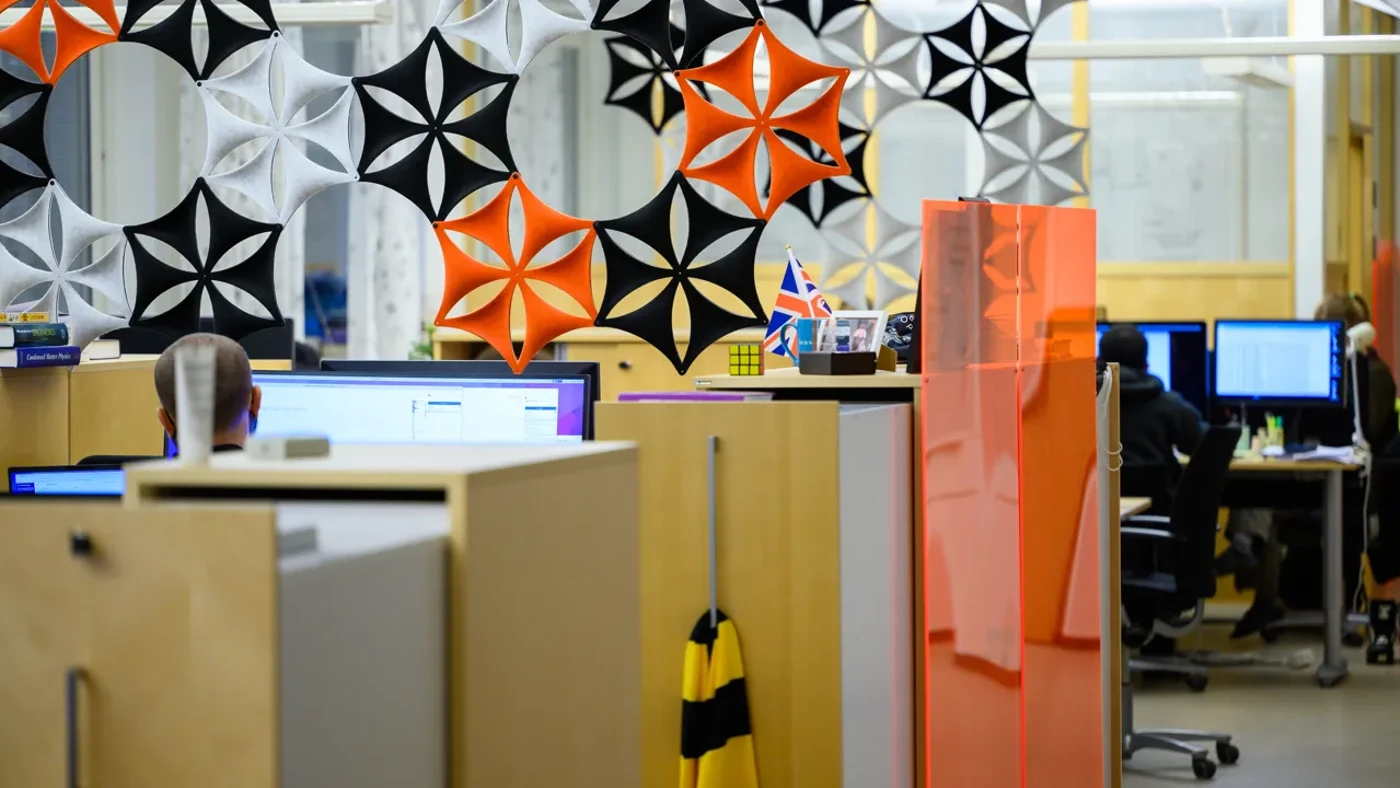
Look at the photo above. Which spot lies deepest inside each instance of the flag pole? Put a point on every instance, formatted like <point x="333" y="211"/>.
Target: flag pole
<point x="713" y="444"/>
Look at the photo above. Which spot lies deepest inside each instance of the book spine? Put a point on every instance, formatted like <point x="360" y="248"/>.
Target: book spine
<point x="25" y="317"/>
<point x="40" y="334"/>
<point x="67" y="356"/>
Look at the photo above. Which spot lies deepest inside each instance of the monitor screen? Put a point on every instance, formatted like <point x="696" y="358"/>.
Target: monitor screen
<point x="363" y="408"/>
<point x="1176" y="355"/>
<point x="1279" y="362"/>
<point x="92" y="480"/>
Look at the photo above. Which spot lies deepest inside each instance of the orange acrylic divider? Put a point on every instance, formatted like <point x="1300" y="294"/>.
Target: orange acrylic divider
<point x="463" y="273"/>
<point x="1011" y="530"/>
<point x="1383" y="298"/>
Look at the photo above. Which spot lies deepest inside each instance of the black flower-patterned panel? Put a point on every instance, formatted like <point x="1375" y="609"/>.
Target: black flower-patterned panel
<point x="227" y="229"/>
<point x="953" y="77"/>
<point x="24" y="134"/>
<point x="817" y="201"/>
<point x="650" y="25"/>
<point x="172" y="35"/>
<point x="827" y="10"/>
<point x="486" y="126"/>
<point x="732" y="272"/>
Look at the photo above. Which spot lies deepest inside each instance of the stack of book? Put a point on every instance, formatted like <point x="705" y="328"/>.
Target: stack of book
<point x="29" y="340"/>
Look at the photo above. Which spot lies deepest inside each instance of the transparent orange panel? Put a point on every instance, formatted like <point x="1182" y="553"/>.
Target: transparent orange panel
<point x="972" y="495"/>
<point x="1062" y="678"/>
<point x="1011" y="555"/>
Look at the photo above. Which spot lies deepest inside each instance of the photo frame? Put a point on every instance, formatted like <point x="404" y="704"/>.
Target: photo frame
<point x="866" y="330"/>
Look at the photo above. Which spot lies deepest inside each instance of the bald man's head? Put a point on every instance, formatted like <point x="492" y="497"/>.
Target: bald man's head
<point x="236" y="399"/>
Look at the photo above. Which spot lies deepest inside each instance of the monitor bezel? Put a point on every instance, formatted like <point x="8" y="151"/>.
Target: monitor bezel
<point x="535" y="369"/>
<point x="1275" y="402"/>
<point x="588" y="399"/>
<point x="1207" y="403"/>
<point x="16" y="469"/>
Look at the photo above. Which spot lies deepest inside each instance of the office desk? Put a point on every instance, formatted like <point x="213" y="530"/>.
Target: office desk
<point x="1127" y="507"/>
<point x="1334" y="666"/>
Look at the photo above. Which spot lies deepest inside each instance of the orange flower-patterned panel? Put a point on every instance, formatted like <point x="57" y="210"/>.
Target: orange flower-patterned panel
<point x="734" y="74"/>
<point x="72" y="38"/>
<point x="490" y="225"/>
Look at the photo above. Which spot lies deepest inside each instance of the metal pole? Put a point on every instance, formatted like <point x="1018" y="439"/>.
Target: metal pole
<point x="1334" y="665"/>
<point x="713" y="446"/>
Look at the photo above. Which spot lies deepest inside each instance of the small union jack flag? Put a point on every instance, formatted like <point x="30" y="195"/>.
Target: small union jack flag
<point x="797" y="297"/>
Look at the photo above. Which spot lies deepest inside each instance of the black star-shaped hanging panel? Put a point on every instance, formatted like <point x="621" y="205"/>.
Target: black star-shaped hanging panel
<point x="172" y="35"/>
<point x="833" y="194"/>
<point x="802" y="10"/>
<point x="624" y="71"/>
<point x="978" y="62"/>
<point x="25" y="135"/>
<point x="650" y="25"/>
<point x="227" y="229"/>
<point x="733" y="272"/>
<point x="461" y="79"/>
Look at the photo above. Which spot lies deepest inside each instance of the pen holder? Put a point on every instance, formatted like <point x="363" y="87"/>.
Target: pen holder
<point x="814" y="363"/>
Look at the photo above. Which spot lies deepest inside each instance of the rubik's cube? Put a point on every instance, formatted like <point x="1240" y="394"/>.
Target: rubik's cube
<point x="746" y="359"/>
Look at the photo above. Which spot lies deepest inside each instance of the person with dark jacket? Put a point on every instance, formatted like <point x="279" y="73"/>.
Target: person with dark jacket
<point x="1154" y="424"/>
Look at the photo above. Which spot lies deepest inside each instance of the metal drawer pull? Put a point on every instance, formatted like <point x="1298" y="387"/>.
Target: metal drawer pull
<point x="72" y="680"/>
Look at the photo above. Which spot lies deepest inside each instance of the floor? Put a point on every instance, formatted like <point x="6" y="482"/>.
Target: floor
<point x="1289" y="731"/>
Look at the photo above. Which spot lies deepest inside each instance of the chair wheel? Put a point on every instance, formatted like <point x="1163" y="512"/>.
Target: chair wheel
<point x="1228" y="753"/>
<point x="1204" y="768"/>
<point x="1197" y="683"/>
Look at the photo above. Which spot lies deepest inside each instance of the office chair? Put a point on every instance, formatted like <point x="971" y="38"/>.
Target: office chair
<point x="1149" y="481"/>
<point x="1168" y="574"/>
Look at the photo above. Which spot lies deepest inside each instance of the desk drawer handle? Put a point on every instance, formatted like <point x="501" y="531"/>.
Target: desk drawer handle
<point x="72" y="681"/>
<point x="624" y="365"/>
<point x="79" y="543"/>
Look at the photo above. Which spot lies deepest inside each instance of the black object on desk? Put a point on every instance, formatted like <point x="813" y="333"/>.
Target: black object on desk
<point x="814" y="363"/>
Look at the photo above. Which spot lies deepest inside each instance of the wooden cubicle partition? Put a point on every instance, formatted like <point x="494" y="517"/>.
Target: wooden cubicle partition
<point x="59" y="415"/>
<point x="813" y="550"/>
<point x="175" y="628"/>
<point x="543" y="626"/>
<point x="33" y="418"/>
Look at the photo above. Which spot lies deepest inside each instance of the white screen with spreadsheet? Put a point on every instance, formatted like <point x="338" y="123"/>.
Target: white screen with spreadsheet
<point x="1293" y="360"/>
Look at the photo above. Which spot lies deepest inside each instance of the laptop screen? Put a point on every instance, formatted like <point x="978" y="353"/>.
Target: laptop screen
<point x="93" y="481"/>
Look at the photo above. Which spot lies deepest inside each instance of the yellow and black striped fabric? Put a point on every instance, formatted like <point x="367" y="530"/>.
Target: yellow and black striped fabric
<point x="716" y="740"/>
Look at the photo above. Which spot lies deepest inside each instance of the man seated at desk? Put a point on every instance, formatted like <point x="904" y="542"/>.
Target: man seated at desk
<point x="236" y="399"/>
<point x="1256" y="555"/>
<point x="1154" y="424"/>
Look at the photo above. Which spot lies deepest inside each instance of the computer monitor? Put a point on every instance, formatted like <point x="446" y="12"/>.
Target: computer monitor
<point x="89" y="481"/>
<point x="1280" y="362"/>
<point x="366" y="408"/>
<point x="1176" y="354"/>
<point x="470" y="368"/>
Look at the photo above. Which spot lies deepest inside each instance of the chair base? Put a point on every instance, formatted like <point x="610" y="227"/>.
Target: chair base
<point x="1186" y="742"/>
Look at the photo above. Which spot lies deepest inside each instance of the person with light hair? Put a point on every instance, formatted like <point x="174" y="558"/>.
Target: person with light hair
<point x="236" y="399"/>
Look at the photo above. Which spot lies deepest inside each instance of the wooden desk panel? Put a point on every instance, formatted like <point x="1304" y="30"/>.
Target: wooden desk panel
<point x="112" y="409"/>
<point x="1127" y="507"/>
<point x="33" y="418"/>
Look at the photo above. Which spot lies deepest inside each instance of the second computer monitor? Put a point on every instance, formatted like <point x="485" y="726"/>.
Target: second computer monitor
<point x="1280" y="362"/>
<point x="1176" y="354"/>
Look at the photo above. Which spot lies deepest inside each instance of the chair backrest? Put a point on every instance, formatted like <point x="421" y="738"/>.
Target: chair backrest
<point x="1196" y="512"/>
<point x="1149" y="481"/>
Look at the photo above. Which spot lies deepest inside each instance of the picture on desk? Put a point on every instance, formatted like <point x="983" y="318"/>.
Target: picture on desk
<point x="859" y="332"/>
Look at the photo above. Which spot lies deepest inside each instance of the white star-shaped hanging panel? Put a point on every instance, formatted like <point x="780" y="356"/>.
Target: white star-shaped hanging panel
<point x="489" y="28"/>
<point x="855" y="257"/>
<point x="1034" y="159"/>
<point x="78" y="231"/>
<point x="300" y="82"/>
<point x="890" y="66"/>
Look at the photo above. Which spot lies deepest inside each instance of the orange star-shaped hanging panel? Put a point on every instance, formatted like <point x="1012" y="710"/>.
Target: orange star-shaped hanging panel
<point x="72" y="39"/>
<point x="789" y="72"/>
<point x="571" y="273"/>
